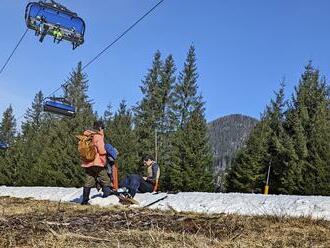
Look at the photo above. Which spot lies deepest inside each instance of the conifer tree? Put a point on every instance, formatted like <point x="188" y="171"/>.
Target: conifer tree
<point x="282" y="156"/>
<point x="195" y="157"/>
<point x="310" y="127"/>
<point x="122" y="136"/>
<point x="247" y="173"/>
<point x="30" y="143"/>
<point x="60" y="154"/>
<point x="8" y="171"/>
<point x="108" y="117"/>
<point x="296" y="143"/>
<point x="34" y="115"/>
<point x="148" y="111"/>
<point x="166" y="151"/>
<point x="8" y="126"/>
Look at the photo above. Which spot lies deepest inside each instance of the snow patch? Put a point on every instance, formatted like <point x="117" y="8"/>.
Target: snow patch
<point x="199" y="202"/>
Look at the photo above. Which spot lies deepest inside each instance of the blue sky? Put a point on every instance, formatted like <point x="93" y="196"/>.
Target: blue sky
<point x="244" y="48"/>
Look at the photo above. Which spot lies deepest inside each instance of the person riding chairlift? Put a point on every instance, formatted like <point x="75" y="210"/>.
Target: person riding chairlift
<point x="73" y="37"/>
<point x="57" y="33"/>
<point x="39" y="22"/>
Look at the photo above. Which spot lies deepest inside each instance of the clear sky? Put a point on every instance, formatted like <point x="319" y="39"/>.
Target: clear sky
<point x="244" y="48"/>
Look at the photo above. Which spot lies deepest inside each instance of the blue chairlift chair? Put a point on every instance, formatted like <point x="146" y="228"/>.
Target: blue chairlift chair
<point x="59" y="106"/>
<point x="3" y="145"/>
<point x="51" y="18"/>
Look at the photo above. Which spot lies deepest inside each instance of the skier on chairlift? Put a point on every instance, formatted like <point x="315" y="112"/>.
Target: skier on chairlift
<point x="39" y="23"/>
<point x="57" y="33"/>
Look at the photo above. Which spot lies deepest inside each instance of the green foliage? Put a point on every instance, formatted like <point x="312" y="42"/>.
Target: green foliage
<point x="296" y="144"/>
<point x="7" y="135"/>
<point x="310" y="125"/>
<point x="119" y="132"/>
<point x="46" y="151"/>
<point x="8" y="126"/>
<point x="251" y="162"/>
<point x="168" y="122"/>
<point x="194" y="152"/>
<point x="147" y="112"/>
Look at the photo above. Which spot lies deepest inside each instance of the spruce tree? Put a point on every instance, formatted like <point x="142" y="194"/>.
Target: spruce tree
<point x="282" y="156"/>
<point x="166" y="151"/>
<point x="8" y="170"/>
<point x="148" y="111"/>
<point x="34" y="115"/>
<point x="121" y="135"/>
<point x="249" y="167"/>
<point x="30" y="143"/>
<point x="60" y="154"/>
<point x="8" y="126"/>
<point x="194" y="153"/>
<point x="310" y="127"/>
<point x="108" y="116"/>
<point x="296" y="143"/>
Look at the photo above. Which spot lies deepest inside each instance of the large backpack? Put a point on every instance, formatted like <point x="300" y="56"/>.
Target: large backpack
<point x="86" y="147"/>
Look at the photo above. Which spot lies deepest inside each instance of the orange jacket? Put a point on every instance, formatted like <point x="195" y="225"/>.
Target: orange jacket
<point x="98" y="141"/>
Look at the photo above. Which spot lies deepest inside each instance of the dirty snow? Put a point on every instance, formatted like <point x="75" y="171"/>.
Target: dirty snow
<point x="209" y="203"/>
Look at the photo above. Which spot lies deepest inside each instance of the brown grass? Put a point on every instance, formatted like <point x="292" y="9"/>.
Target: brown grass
<point x="31" y="223"/>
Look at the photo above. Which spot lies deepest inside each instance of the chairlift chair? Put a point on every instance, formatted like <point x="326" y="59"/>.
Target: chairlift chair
<point x="59" y="106"/>
<point x="45" y="17"/>
<point x="4" y="146"/>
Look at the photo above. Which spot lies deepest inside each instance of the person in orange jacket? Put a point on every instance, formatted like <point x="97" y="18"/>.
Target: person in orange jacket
<point x="96" y="168"/>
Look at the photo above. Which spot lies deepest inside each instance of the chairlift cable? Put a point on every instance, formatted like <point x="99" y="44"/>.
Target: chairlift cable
<point x="53" y="92"/>
<point x="17" y="45"/>
<point x="113" y="42"/>
<point x="107" y="47"/>
<point x="12" y="53"/>
<point x="122" y="35"/>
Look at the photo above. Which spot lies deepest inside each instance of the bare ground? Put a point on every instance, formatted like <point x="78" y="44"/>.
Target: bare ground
<point x="32" y="223"/>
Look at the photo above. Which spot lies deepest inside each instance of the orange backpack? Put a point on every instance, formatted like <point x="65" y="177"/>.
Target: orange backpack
<point x="86" y="147"/>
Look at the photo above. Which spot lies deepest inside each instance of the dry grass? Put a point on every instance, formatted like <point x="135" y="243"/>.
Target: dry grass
<point x="31" y="223"/>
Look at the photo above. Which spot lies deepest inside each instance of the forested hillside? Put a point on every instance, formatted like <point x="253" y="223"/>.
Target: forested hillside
<point x="227" y="135"/>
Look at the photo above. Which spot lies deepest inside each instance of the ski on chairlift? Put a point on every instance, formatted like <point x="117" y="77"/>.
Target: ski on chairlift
<point x="52" y="18"/>
<point x="59" y="106"/>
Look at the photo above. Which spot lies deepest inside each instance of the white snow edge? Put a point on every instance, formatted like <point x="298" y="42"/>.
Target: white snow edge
<point x="317" y="207"/>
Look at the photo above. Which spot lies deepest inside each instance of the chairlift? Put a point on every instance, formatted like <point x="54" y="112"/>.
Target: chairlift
<point x="59" y="106"/>
<point x="4" y="146"/>
<point x="52" y="18"/>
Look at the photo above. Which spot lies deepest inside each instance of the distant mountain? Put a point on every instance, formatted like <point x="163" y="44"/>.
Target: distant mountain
<point x="227" y="135"/>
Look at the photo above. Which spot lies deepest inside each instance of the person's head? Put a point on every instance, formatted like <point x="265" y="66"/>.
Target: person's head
<point x="98" y="125"/>
<point x="148" y="160"/>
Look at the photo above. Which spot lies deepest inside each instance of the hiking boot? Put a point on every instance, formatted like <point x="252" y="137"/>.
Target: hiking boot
<point x="107" y="191"/>
<point x="86" y="192"/>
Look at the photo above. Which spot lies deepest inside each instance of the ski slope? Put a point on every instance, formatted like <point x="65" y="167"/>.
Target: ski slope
<point x="209" y="203"/>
